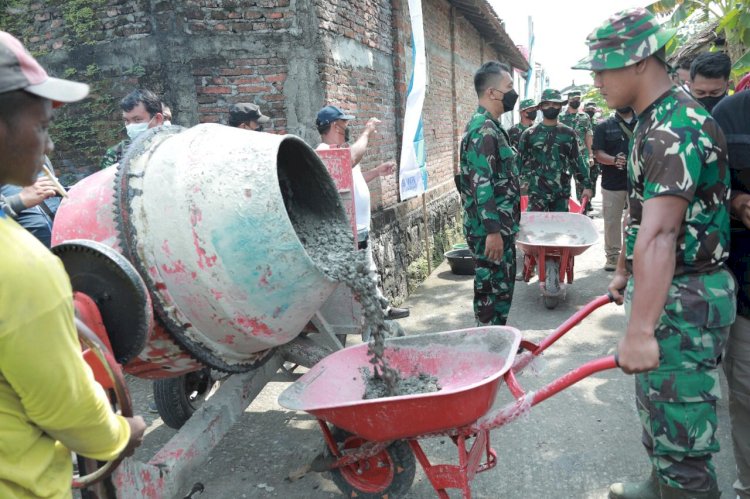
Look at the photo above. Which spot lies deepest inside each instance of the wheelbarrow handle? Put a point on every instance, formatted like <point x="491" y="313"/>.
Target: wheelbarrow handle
<point x="584" y="201"/>
<point x="573" y="321"/>
<point x="525" y="401"/>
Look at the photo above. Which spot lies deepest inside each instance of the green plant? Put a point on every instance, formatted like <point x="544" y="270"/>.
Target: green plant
<point x="731" y="18"/>
<point x="80" y="18"/>
<point x="83" y="131"/>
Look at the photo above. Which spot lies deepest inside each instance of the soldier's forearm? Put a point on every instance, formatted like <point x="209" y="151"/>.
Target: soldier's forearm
<point x="651" y="253"/>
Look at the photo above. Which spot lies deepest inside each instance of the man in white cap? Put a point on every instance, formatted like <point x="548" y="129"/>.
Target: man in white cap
<point x="50" y="403"/>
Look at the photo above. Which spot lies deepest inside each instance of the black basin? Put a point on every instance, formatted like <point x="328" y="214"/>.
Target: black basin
<point x="461" y="261"/>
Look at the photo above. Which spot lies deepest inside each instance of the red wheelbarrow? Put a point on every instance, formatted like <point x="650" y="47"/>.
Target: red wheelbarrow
<point x="551" y="241"/>
<point x="372" y="444"/>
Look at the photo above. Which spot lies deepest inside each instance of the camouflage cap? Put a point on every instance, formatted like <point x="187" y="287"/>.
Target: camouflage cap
<point x="624" y="39"/>
<point x="552" y="95"/>
<point x="526" y="103"/>
<point x="574" y="93"/>
<point x="589" y="104"/>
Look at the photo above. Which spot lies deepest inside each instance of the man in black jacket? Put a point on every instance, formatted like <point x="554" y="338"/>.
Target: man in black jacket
<point x="611" y="147"/>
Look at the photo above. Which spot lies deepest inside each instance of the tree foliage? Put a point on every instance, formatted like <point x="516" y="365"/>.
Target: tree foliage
<point x="731" y="19"/>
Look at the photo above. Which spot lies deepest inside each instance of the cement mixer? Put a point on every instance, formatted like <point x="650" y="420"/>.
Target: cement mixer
<point x="187" y="254"/>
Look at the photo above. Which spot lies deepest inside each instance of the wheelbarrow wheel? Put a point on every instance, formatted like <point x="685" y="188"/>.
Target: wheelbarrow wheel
<point x="178" y="398"/>
<point x="387" y="474"/>
<point x="551" y="283"/>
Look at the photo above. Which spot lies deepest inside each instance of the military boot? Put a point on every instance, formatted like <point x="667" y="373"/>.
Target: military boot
<point x="668" y="492"/>
<point x="648" y="489"/>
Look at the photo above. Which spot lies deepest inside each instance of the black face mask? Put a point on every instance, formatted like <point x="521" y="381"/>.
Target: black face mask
<point x="346" y="135"/>
<point x="551" y="113"/>
<point x="590" y="113"/>
<point x="531" y="115"/>
<point x="509" y="100"/>
<point x="625" y="110"/>
<point x="710" y="102"/>
<point x="574" y="104"/>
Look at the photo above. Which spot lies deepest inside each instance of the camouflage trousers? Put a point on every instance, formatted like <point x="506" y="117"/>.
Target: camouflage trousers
<point x="493" y="282"/>
<point x="541" y="203"/>
<point x="677" y="401"/>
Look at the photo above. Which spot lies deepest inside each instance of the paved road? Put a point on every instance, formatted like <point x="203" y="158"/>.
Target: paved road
<point x="573" y="445"/>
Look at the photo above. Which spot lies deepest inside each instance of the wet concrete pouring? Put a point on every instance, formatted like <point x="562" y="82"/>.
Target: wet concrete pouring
<point x="330" y="245"/>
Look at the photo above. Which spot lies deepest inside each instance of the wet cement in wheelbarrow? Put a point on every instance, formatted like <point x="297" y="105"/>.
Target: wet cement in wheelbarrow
<point x="329" y="244"/>
<point x="550" y="238"/>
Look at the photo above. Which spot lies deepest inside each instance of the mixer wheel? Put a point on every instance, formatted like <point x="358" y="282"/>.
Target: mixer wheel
<point x="178" y="398"/>
<point x="388" y="474"/>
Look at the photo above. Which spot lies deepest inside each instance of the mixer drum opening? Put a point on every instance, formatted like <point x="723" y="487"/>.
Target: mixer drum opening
<point x="312" y="201"/>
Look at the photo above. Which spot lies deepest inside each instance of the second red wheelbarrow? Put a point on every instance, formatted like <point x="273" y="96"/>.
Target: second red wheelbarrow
<point x="550" y="242"/>
<point x="373" y="445"/>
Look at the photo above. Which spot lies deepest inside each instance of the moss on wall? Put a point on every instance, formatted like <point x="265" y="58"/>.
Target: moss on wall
<point x="441" y="241"/>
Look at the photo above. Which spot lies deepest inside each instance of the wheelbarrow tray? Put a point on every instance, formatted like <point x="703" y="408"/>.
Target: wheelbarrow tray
<point x="468" y="364"/>
<point x="560" y="230"/>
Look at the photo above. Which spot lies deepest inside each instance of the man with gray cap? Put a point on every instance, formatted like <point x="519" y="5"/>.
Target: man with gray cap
<point x="333" y="127"/>
<point x="50" y="403"/>
<point x="679" y="295"/>
<point x="247" y="116"/>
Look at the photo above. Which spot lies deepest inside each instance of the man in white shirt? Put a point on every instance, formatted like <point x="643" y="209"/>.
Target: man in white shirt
<point x="332" y="124"/>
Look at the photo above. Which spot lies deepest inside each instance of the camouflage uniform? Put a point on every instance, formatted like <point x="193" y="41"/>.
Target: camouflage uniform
<point x="514" y="134"/>
<point x="491" y="199"/>
<point x="547" y="156"/>
<point x="516" y="130"/>
<point x="581" y="123"/>
<point x="114" y="154"/>
<point x="677" y="150"/>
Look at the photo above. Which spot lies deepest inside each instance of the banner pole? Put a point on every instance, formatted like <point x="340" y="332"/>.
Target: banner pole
<point x="426" y="234"/>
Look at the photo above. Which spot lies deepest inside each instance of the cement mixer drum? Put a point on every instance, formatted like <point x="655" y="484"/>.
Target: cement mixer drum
<point x="204" y="215"/>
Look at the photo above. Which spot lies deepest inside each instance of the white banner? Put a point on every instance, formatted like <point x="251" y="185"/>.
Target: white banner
<point x="413" y="170"/>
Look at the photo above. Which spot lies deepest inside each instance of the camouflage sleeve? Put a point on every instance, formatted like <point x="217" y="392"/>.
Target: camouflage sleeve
<point x="483" y="159"/>
<point x="522" y="157"/>
<point x="672" y="158"/>
<point x="589" y="125"/>
<point x="579" y="166"/>
<point x="109" y="159"/>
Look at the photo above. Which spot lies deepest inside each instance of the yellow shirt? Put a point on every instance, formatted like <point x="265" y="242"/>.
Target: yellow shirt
<point x="49" y="401"/>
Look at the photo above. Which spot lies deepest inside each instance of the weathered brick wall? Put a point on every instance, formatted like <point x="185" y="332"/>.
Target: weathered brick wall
<point x="201" y="56"/>
<point x="356" y="71"/>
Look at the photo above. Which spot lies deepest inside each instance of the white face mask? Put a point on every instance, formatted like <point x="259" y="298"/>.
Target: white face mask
<point x="135" y="129"/>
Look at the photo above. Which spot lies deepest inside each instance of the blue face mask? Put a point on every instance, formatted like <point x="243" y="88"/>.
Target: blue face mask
<point x="135" y="129"/>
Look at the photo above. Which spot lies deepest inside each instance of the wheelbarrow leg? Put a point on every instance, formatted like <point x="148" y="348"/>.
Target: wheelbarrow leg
<point x="451" y="476"/>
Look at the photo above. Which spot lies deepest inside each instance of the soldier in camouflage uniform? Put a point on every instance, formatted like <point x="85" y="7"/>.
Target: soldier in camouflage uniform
<point x="679" y="296"/>
<point x="548" y="153"/>
<point x="114" y="154"/>
<point x="528" y="112"/>
<point x="579" y="121"/>
<point x="490" y="194"/>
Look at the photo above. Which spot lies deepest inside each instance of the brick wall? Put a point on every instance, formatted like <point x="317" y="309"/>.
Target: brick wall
<point x="356" y="71"/>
